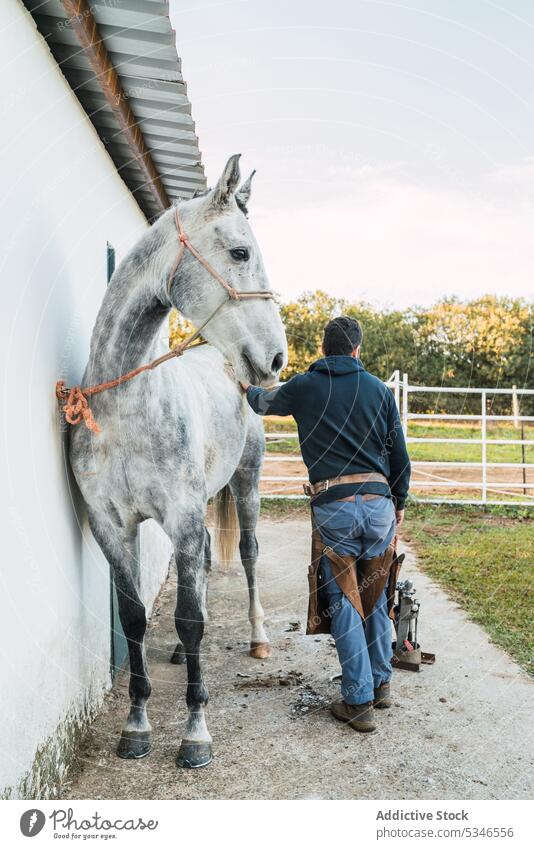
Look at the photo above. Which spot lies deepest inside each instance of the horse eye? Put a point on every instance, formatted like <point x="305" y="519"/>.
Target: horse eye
<point x="240" y="254"/>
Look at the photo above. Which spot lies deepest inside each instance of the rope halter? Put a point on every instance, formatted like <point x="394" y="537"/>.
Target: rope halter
<point x="74" y="399"/>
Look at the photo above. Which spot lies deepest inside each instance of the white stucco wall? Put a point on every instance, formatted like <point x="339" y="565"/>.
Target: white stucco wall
<point x="62" y="201"/>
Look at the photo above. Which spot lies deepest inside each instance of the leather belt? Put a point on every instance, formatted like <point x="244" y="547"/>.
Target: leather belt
<point x="366" y="496"/>
<point x="312" y="489"/>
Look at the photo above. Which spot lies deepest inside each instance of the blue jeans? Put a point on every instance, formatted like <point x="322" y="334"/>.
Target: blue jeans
<point x="364" y="529"/>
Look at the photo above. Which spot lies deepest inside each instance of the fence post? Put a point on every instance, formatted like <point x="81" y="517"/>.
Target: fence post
<point x="405" y="403"/>
<point x="520" y="424"/>
<point x="396" y="387"/>
<point x="484" y="449"/>
<point x="515" y="406"/>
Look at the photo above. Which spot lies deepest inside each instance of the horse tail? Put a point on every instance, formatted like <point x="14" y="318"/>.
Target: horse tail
<point x="226" y="525"/>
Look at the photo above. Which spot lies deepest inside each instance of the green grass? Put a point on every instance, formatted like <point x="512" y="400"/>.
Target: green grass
<point x="432" y="451"/>
<point x="282" y="508"/>
<point x="284" y="446"/>
<point x="277" y="424"/>
<point x="468" y="453"/>
<point x="483" y="558"/>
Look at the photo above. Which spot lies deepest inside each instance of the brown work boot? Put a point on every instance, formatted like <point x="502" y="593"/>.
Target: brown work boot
<point x="359" y="717"/>
<point x="382" y="696"/>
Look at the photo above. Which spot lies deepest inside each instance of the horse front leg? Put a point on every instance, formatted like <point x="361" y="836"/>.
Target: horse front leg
<point x="190" y="616"/>
<point x="119" y="548"/>
<point x="178" y="657"/>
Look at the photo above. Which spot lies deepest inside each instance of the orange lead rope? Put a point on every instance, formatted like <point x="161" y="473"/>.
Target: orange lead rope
<point x="74" y="399"/>
<point x="76" y="407"/>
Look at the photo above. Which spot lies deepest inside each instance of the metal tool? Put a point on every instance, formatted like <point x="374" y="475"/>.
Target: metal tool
<point x="407" y="652"/>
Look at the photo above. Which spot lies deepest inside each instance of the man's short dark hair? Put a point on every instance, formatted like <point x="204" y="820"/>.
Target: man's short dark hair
<point x="341" y="336"/>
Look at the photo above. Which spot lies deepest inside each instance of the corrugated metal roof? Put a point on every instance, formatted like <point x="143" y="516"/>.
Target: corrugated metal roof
<point x="142" y="46"/>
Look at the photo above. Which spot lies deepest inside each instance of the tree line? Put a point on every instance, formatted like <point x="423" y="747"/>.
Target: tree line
<point x="486" y="342"/>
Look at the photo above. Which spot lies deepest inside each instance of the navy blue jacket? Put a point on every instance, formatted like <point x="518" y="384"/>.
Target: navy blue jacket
<point x="347" y="422"/>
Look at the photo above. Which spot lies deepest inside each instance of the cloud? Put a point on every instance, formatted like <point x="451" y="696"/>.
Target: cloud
<point x="391" y="241"/>
<point x="519" y="176"/>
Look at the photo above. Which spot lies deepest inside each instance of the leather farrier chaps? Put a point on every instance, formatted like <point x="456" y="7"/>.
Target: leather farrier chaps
<point x="361" y="581"/>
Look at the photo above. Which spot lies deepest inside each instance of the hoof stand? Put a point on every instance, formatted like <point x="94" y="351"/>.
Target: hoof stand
<point x="134" y="745"/>
<point x="260" y="650"/>
<point x="194" y="755"/>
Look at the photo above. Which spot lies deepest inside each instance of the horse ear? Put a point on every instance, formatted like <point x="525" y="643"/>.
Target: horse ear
<point x="242" y="195"/>
<point x="228" y="181"/>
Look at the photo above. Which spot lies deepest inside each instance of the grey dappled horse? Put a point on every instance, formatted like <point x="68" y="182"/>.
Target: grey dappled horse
<point x="181" y="434"/>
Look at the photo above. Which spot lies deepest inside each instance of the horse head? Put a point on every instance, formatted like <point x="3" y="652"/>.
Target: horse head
<point x="248" y="332"/>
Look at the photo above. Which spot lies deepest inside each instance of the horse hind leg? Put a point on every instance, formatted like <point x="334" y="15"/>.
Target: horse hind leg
<point x="178" y="657"/>
<point x="119" y="548"/>
<point x="245" y="488"/>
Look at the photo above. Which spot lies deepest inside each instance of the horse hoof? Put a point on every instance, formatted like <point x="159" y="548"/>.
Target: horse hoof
<point x="178" y="655"/>
<point x="194" y="755"/>
<point x="260" y="650"/>
<point x="134" y="745"/>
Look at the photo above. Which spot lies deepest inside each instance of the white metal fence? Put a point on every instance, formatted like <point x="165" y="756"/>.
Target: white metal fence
<point x="439" y="474"/>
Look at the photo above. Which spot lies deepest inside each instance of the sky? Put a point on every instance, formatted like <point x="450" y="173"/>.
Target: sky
<point x="393" y="141"/>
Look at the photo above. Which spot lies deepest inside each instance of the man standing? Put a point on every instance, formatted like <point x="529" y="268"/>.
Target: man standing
<point x="353" y="445"/>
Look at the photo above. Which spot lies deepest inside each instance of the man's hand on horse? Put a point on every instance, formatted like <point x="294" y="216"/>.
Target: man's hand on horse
<point x="244" y="385"/>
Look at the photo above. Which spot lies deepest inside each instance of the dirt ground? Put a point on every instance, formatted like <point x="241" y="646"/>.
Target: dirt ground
<point x="282" y="465"/>
<point x="459" y="730"/>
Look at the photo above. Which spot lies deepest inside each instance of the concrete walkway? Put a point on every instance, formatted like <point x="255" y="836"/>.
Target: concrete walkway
<point x="461" y="729"/>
